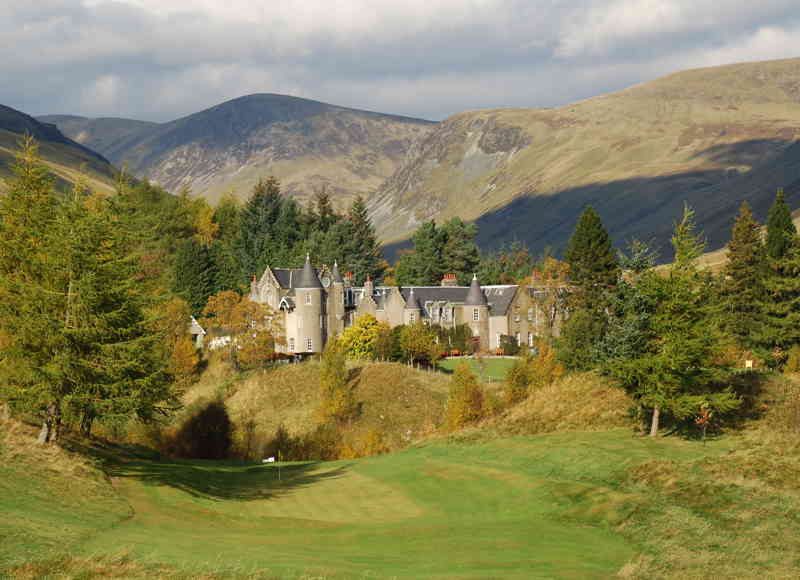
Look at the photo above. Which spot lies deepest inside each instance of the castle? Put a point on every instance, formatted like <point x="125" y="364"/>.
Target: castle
<point x="317" y="304"/>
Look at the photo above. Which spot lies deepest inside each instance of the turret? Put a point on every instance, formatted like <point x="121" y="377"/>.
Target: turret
<point x="413" y="311"/>
<point x="309" y="295"/>
<point x="476" y="312"/>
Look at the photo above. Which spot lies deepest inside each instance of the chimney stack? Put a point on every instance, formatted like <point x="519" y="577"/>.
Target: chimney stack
<point x="450" y="280"/>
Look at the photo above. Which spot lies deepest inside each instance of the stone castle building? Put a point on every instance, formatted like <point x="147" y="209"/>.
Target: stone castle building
<point x="317" y="304"/>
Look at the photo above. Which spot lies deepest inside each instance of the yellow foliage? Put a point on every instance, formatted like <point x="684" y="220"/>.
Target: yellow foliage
<point x="465" y="403"/>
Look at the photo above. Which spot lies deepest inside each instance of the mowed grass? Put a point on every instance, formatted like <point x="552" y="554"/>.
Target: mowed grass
<point x="494" y="369"/>
<point x="542" y="507"/>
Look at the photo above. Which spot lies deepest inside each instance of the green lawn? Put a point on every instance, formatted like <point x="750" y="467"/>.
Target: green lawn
<point x="540" y="507"/>
<point x="493" y="369"/>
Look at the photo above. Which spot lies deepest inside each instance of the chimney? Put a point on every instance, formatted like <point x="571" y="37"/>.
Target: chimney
<point x="449" y="280"/>
<point x="537" y="276"/>
<point x="348" y="279"/>
<point x="253" y="285"/>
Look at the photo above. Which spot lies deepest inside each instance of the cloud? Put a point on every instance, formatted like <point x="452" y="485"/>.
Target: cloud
<point x="160" y="59"/>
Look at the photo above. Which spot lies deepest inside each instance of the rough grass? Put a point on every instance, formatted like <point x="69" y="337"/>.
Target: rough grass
<point x="49" y="497"/>
<point x="577" y="402"/>
<point x="401" y="403"/>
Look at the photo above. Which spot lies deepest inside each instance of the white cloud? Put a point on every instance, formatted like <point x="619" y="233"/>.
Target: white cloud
<point x="160" y="59"/>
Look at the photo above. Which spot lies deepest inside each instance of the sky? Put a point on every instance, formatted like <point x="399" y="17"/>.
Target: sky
<point x="158" y="60"/>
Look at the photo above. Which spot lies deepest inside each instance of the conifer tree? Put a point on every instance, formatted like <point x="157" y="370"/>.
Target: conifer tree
<point x="675" y="371"/>
<point x="363" y="254"/>
<point x="743" y="285"/>
<point x="780" y="228"/>
<point x="593" y="263"/>
<point x="257" y="225"/>
<point x="77" y="342"/>
<point x="460" y="254"/>
<point x="195" y="274"/>
<point x="423" y="265"/>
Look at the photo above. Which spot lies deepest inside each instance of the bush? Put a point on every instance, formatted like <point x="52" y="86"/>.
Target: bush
<point x="532" y="372"/>
<point x="465" y="403"/>
<point x="508" y="344"/>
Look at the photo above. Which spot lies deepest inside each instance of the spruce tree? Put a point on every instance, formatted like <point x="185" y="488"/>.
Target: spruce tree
<point x="593" y="272"/>
<point x="780" y="228"/>
<point x="195" y="274"/>
<point x="593" y="263"/>
<point x="460" y="254"/>
<point x="423" y="265"/>
<point x="743" y="284"/>
<point x="256" y="231"/>
<point x="362" y="251"/>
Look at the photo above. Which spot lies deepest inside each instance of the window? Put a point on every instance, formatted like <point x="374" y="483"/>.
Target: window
<point x="321" y="321"/>
<point x="412" y="316"/>
<point x="309" y="345"/>
<point x="516" y="315"/>
<point x="291" y="344"/>
<point x="476" y="314"/>
<point x="530" y="314"/>
<point x="530" y="339"/>
<point x="518" y="339"/>
<point x="308" y="297"/>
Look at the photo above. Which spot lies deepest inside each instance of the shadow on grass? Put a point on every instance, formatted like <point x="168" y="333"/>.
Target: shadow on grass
<point x="216" y="480"/>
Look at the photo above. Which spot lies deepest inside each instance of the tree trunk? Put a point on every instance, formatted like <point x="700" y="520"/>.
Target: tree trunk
<point x="50" y="425"/>
<point x="654" y="421"/>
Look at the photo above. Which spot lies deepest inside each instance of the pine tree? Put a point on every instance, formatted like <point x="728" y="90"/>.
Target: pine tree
<point x="780" y="228"/>
<point x="743" y="285"/>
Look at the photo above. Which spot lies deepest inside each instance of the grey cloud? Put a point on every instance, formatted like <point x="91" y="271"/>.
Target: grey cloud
<point x="160" y="60"/>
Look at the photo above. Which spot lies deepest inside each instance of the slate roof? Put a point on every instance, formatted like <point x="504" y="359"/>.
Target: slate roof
<point x="286" y="277"/>
<point x="308" y="277"/>
<point x="499" y="298"/>
<point x="475" y="297"/>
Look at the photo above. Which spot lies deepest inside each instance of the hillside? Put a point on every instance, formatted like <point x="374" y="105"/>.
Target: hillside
<point x="711" y="137"/>
<point x="66" y="159"/>
<point x="307" y="144"/>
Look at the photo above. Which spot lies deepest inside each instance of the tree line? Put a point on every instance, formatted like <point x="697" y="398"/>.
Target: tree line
<point x="675" y="335"/>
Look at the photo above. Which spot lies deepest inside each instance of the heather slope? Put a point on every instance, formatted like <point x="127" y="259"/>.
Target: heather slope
<point x="307" y="144"/>
<point x="710" y="137"/>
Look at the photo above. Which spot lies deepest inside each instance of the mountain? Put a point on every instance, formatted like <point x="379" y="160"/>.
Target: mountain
<point x="306" y="144"/>
<point x="67" y="160"/>
<point x="710" y="137"/>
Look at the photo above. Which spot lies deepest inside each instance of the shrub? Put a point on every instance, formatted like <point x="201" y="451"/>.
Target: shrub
<point x="465" y="403"/>
<point x="207" y="434"/>
<point x="508" y="344"/>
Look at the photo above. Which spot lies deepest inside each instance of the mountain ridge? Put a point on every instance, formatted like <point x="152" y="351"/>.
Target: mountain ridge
<point x="710" y="136"/>
<point x="308" y="144"/>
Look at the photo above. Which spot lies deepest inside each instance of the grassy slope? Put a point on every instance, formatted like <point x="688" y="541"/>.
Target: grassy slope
<point x="563" y="505"/>
<point x="512" y="508"/>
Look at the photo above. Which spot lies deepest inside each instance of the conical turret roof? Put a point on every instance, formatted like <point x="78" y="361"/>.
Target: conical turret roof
<point x="308" y="277"/>
<point x="337" y="277"/>
<point x="413" y="302"/>
<point x="475" y="297"/>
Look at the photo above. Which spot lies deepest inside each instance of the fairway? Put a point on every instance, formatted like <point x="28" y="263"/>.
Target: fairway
<point x="489" y="369"/>
<point x="514" y="508"/>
